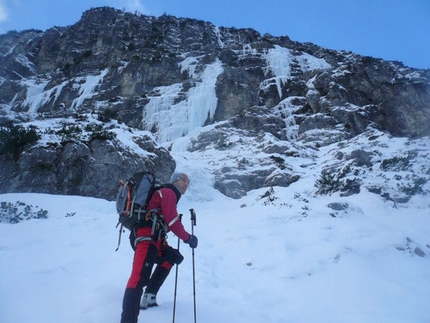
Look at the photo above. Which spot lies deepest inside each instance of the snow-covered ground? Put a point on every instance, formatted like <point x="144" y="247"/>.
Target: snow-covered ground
<point x="276" y="255"/>
<point x="285" y="257"/>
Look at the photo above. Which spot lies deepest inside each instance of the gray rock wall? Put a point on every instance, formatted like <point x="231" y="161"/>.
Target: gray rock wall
<point x="130" y="56"/>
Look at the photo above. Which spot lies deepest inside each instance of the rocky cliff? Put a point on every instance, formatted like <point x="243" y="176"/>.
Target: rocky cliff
<point x="162" y="77"/>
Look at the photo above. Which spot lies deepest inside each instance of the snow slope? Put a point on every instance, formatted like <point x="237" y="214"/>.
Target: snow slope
<point x="285" y="257"/>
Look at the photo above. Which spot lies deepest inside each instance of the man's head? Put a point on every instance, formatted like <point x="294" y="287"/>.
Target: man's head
<point x="180" y="180"/>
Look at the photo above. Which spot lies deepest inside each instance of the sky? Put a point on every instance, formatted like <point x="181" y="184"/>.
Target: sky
<point x="388" y="29"/>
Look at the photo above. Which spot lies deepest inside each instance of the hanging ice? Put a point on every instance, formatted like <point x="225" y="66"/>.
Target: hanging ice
<point x="36" y="94"/>
<point x="279" y="63"/>
<point x="285" y="110"/>
<point x="279" y="60"/>
<point x="172" y="120"/>
<point x="87" y="88"/>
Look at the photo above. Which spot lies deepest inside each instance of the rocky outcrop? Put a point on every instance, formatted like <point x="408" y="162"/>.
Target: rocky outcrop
<point x="68" y="163"/>
<point x="127" y="56"/>
<point x="146" y="71"/>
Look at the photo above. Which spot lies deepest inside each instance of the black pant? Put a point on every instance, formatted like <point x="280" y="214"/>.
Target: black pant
<point x="167" y="258"/>
<point x="144" y="259"/>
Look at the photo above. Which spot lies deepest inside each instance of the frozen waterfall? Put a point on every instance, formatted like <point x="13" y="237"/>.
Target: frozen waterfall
<point x="171" y="119"/>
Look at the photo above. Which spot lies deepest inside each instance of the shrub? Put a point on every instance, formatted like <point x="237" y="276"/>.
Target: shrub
<point x="279" y="161"/>
<point x="14" y="139"/>
<point x="414" y="188"/>
<point x="69" y="132"/>
<point x="14" y="213"/>
<point x="331" y="181"/>
<point x="327" y="183"/>
<point x="98" y="132"/>
<point x="73" y="132"/>
<point x="107" y="115"/>
<point x="397" y="163"/>
<point x="269" y="195"/>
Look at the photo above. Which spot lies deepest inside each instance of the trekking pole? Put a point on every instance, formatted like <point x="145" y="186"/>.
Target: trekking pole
<point x="176" y="280"/>
<point x="193" y="223"/>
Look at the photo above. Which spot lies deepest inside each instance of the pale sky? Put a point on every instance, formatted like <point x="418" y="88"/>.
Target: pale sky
<point x="389" y="29"/>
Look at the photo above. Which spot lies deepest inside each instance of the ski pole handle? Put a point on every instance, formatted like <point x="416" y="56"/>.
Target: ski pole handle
<point x="193" y="217"/>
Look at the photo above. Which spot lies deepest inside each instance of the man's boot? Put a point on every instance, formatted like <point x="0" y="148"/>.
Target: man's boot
<point x="148" y="300"/>
<point x="158" y="277"/>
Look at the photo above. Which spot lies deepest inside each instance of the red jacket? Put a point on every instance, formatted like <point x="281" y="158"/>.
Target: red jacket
<point x="165" y="200"/>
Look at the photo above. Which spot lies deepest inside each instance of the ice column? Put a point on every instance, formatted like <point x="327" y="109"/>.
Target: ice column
<point x="172" y="120"/>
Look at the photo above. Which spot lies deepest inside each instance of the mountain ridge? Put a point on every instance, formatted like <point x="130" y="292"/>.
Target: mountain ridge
<point x="165" y="77"/>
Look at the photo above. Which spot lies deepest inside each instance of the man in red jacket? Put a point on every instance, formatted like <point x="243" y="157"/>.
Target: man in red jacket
<point x="147" y="248"/>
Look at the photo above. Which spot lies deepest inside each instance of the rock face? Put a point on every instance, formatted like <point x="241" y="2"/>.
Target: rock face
<point x="146" y="71"/>
<point x="81" y="167"/>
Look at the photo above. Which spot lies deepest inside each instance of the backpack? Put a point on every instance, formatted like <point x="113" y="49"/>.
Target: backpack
<point x="133" y="197"/>
<point x="131" y="202"/>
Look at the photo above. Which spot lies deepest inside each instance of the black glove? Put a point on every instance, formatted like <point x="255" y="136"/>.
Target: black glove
<point x="192" y="241"/>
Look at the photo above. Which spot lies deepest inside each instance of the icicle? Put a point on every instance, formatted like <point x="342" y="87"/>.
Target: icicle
<point x="172" y="121"/>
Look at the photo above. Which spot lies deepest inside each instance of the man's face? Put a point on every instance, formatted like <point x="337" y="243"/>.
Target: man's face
<point x="182" y="184"/>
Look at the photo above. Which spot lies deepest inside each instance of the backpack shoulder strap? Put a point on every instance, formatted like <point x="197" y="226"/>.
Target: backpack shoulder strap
<point x="178" y="196"/>
<point x="174" y="189"/>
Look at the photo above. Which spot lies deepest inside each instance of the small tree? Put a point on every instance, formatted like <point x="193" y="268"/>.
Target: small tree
<point x="14" y="139"/>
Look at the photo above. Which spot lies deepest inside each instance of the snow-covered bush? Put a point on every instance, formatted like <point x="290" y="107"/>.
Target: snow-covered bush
<point x="14" y="213"/>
